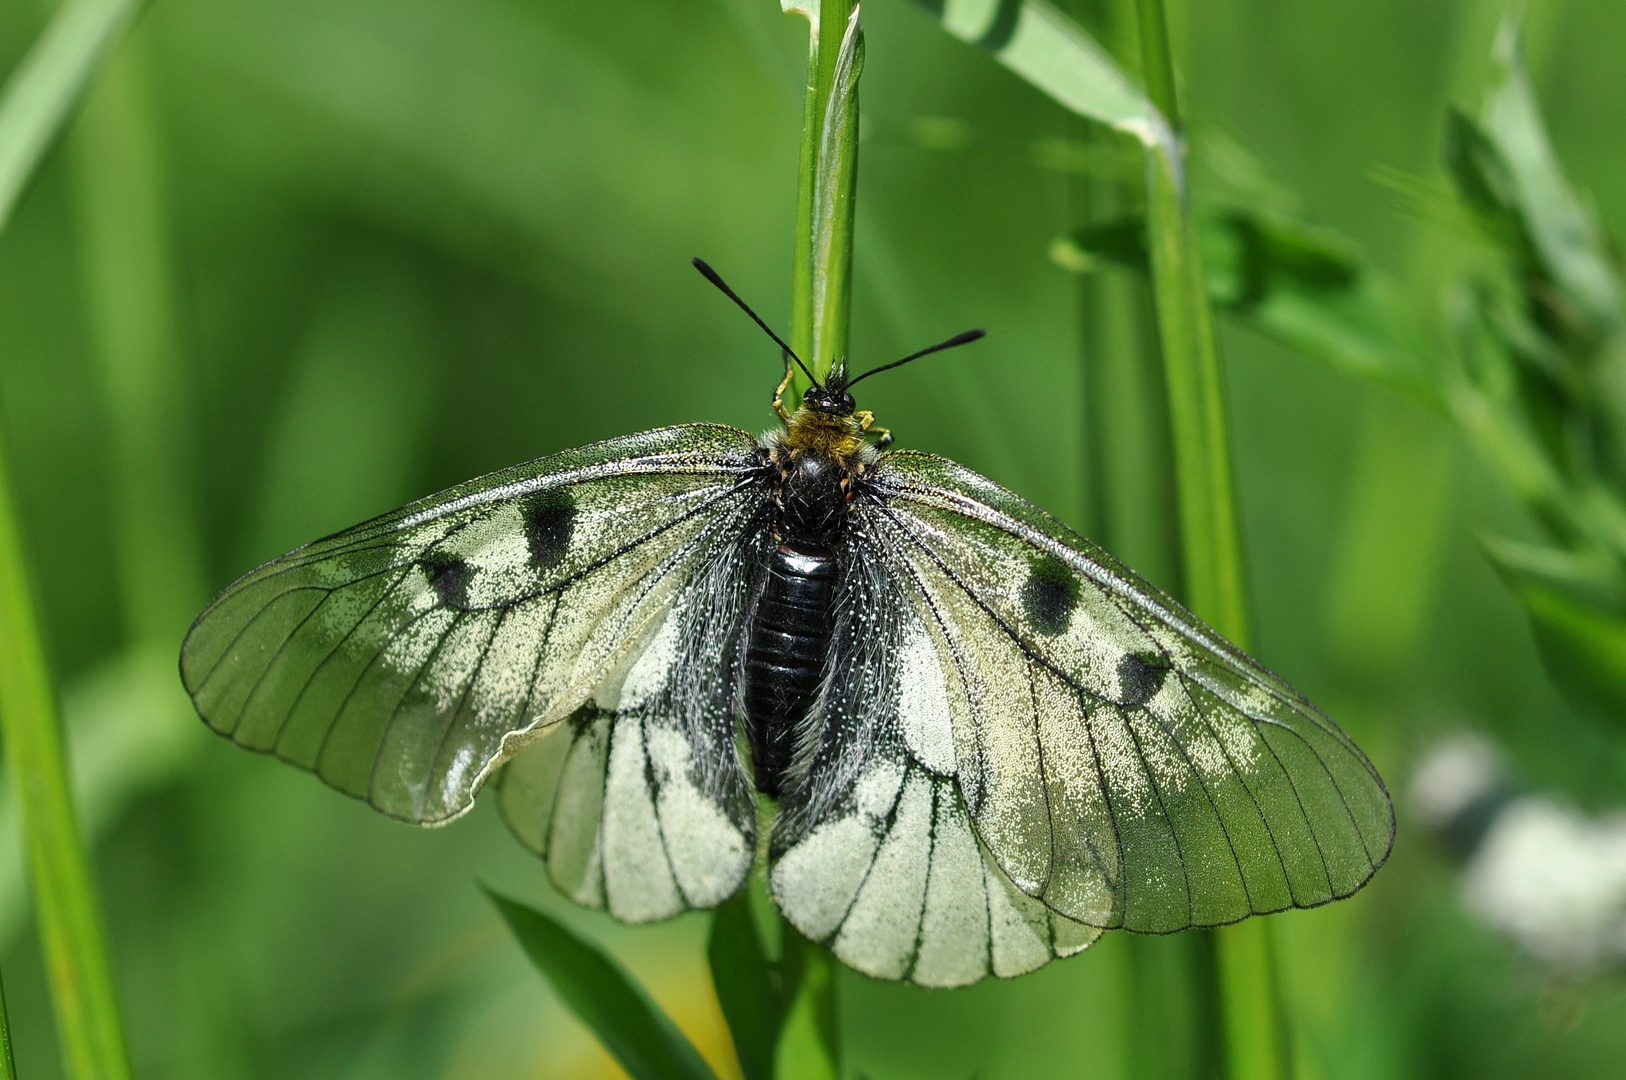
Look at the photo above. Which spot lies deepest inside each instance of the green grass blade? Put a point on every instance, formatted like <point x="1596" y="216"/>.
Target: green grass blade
<point x="37" y="100"/>
<point x="1576" y="603"/>
<point x="808" y="1046"/>
<point x="1055" y="54"/>
<point x="605" y="998"/>
<point x="821" y="291"/>
<point x="71" y="937"/>
<point x="1569" y="242"/>
<point x="50" y="79"/>
<point x="1210" y="541"/>
<point x="745" y="985"/>
<point x="8" y="1065"/>
<point x="821" y="278"/>
<point x="1255" y="1039"/>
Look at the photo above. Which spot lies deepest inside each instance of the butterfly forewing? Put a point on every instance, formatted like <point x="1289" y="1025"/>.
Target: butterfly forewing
<point x="1119" y="760"/>
<point x="402" y="660"/>
<point x="639" y="803"/>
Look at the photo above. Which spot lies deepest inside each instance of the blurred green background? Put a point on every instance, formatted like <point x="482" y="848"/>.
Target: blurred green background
<point x="299" y="262"/>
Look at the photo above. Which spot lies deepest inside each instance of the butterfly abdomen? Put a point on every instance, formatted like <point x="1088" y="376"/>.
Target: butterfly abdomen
<point x="785" y="656"/>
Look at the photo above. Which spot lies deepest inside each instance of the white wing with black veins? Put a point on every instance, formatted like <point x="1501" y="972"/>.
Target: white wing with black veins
<point x="405" y="659"/>
<point x="1120" y="762"/>
<point x="638" y="804"/>
<point x="875" y="853"/>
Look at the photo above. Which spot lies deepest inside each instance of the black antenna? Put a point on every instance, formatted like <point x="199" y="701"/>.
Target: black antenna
<point x="716" y="279"/>
<point x="958" y="339"/>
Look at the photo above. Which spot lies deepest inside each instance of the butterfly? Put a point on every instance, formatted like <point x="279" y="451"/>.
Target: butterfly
<point x="987" y="739"/>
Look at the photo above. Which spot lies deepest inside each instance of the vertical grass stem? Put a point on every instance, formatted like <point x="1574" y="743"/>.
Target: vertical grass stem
<point x="70" y="926"/>
<point x="821" y="295"/>
<point x="8" y="1064"/>
<point x="1254" y="1036"/>
<point x="821" y="277"/>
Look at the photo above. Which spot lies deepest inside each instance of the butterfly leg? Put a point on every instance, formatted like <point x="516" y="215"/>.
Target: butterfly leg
<point x="866" y="422"/>
<point x="779" y="392"/>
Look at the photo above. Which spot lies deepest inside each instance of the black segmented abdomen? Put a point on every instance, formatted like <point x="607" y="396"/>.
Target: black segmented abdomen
<point x="784" y="661"/>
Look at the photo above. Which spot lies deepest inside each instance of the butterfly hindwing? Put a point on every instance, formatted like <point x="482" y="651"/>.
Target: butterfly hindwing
<point x="1120" y="761"/>
<point x="874" y="852"/>
<point x="639" y="803"/>
<point x="404" y="659"/>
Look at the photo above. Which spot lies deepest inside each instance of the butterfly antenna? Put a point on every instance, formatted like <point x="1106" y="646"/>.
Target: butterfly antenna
<point x="717" y="280"/>
<point x="958" y="339"/>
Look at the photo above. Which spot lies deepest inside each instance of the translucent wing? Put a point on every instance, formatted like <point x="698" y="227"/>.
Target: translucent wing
<point x="639" y="804"/>
<point x="405" y="659"/>
<point x="1120" y="761"/>
<point x="874" y="852"/>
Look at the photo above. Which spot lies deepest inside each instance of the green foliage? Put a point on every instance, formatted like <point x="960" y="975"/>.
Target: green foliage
<point x="749" y="987"/>
<point x="1539" y="329"/>
<point x="45" y="87"/>
<point x="411" y="242"/>
<point x="600" y="992"/>
<point x="35" y="104"/>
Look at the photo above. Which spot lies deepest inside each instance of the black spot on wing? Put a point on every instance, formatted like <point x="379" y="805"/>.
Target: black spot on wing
<point x="450" y="577"/>
<point x="1049" y="596"/>
<point x="1140" y="678"/>
<point x="549" y="518"/>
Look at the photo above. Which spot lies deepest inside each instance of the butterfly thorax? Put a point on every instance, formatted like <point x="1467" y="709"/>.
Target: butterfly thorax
<point x="828" y="433"/>
<point x="816" y="467"/>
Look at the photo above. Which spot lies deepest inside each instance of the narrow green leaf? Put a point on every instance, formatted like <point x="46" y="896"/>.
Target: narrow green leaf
<point x="48" y="82"/>
<point x="808" y="1048"/>
<point x="1055" y="54"/>
<point x="65" y="903"/>
<point x="1576" y="604"/>
<point x="1210" y="539"/>
<point x="1256" y="1046"/>
<point x="746" y="985"/>
<point x="1310" y="288"/>
<point x="8" y="1065"/>
<point x="36" y="101"/>
<point x="1569" y="242"/>
<point x="605" y="998"/>
<point x="1306" y="286"/>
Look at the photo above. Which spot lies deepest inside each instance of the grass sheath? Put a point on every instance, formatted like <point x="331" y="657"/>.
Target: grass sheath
<point x="65" y="904"/>
<point x="827" y="180"/>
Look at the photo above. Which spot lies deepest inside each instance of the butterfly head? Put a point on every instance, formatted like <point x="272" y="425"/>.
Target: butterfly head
<point x="828" y="405"/>
<point x="833" y="397"/>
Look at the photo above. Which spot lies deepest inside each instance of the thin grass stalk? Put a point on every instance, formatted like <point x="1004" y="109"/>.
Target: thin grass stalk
<point x="65" y="905"/>
<point x="1172" y="1005"/>
<point x="38" y="99"/>
<point x="8" y="1064"/>
<point x="821" y="274"/>
<point x="809" y="1046"/>
<point x="1254" y="1035"/>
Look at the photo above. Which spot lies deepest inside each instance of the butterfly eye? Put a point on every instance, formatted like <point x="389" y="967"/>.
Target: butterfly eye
<point x="847" y="402"/>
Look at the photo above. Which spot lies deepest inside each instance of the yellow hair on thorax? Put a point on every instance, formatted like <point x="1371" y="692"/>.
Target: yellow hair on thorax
<point x="826" y="434"/>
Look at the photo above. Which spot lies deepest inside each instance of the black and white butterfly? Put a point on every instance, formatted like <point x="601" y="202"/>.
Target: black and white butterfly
<point x="989" y="740"/>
